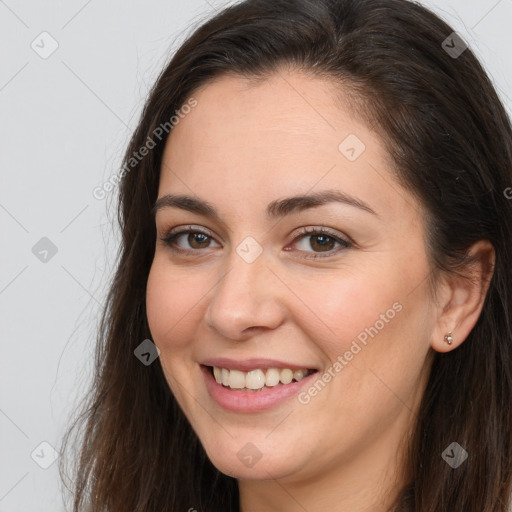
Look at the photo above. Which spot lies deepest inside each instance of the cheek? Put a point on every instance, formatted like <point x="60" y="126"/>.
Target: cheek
<point x="351" y="308"/>
<point x="375" y="329"/>
<point x="173" y="302"/>
<point x="370" y="315"/>
<point x="173" y="308"/>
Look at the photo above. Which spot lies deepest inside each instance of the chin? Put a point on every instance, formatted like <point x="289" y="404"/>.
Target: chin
<point x="266" y="468"/>
<point x="255" y="456"/>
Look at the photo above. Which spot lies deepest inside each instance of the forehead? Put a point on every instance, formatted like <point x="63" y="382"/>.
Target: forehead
<point x="284" y="135"/>
<point x="277" y="114"/>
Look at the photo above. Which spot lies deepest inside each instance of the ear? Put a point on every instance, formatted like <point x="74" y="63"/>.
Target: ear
<point x="460" y="298"/>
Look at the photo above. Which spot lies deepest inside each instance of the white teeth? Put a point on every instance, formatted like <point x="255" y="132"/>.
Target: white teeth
<point x="299" y="374"/>
<point x="236" y="379"/>
<point x="272" y="377"/>
<point x="286" y="376"/>
<point x="257" y="379"/>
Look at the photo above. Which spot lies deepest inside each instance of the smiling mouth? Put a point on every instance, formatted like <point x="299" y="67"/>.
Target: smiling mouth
<point x="258" y="379"/>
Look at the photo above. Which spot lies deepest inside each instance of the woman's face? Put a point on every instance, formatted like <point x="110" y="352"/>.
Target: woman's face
<point x="252" y="291"/>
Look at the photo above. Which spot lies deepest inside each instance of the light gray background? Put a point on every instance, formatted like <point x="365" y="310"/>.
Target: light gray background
<point x="65" y="121"/>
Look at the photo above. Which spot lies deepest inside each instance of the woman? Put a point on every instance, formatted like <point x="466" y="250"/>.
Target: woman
<point x="311" y="309"/>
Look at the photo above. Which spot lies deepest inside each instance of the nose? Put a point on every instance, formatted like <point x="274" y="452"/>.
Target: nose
<point x="247" y="297"/>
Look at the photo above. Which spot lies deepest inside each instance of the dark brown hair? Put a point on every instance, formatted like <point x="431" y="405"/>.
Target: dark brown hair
<point x="450" y="141"/>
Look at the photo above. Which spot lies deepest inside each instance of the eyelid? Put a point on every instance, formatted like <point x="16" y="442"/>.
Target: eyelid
<point x="186" y="228"/>
<point x="313" y="230"/>
<point x="174" y="233"/>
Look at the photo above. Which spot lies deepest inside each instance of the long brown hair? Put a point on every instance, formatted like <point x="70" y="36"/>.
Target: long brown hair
<point x="450" y="140"/>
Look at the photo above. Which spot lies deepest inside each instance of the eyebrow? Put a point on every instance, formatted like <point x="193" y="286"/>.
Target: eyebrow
<point x="275" y="209"/>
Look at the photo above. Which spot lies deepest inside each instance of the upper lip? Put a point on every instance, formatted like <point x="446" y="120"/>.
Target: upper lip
<point x="245" y="365"/>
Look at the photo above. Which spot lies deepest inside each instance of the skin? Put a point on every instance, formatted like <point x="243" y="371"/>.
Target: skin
<point x="240" y="148"/>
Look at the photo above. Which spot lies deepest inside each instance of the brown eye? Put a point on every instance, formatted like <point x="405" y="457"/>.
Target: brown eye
<point x="322" y="242"/>
<point x="188" y="240"/>
<point x="316" y="241"/>
<point x="198" y="240"/>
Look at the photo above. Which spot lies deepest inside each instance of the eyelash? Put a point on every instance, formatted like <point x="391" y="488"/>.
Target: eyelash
<point x="170" y="238"/>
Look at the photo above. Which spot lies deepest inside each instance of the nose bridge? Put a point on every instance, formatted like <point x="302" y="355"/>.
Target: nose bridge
<point x="245" y="296"/>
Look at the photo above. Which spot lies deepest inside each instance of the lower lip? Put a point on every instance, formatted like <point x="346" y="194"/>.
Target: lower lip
<point x="247" y="401"/>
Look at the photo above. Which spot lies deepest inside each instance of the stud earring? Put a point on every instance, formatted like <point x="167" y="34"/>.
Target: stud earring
<point x="448" y="338"/>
